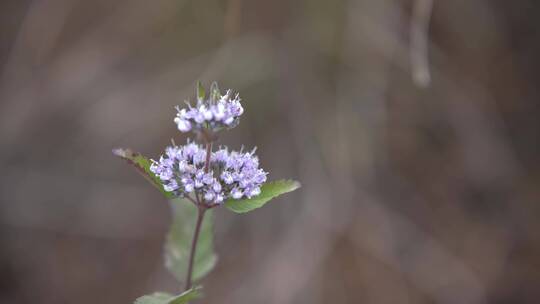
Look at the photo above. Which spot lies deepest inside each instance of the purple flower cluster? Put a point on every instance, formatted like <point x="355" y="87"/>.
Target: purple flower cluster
<point x="183" y="170"/>
<point x="211" y="114"/>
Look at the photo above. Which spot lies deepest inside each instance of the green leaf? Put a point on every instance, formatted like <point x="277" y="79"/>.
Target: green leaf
<point x="200" y="91"/>
<point x="186" y="296"/>
<point x="155" y="298"/>
<point x="178" y="245"/>
<point x="268" y="191"/>
<point x="166" y="298"/>
<point x="215" y="94"/>
<point x="142" y="164"/>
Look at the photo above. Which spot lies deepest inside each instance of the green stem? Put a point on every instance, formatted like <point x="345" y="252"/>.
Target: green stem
<point x="200" y="216"/>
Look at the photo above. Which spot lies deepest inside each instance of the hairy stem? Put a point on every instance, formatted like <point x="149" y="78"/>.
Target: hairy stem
<point x="200" y="216"/>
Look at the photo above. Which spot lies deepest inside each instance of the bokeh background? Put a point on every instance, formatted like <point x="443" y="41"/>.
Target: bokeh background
<point x="417" y="187"/>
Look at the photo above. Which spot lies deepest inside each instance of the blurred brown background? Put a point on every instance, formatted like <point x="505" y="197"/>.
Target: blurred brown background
<point x="413" y="192"/>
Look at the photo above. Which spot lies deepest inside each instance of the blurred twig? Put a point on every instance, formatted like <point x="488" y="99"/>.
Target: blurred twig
<point x="419" y="42"/>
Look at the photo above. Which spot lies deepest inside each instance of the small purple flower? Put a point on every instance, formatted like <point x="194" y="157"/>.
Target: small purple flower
<point x="171" y="186"/>
<point x="254" y="192"/>
<point x="220" y="156"/>
<point x="216" y="186"/>
<point x="235" y="175"/>
<point x="166" y="174"/>
<point x="227" y="177"/>
<point x="209" y="196"/>
<point x="184" y="170"/>
<point x="183" y="124"/>
<point x="189" y="185"/>
<point x="236" y="193"/>
<point x="215" y="113"/>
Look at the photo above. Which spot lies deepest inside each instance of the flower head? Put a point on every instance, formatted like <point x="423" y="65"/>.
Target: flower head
<point x="215" y="113"/>
<point x="183" y="171"/>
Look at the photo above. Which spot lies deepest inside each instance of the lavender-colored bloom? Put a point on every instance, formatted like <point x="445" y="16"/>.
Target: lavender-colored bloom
<point x="213" y="114"/>
<point x="219" y="198"/>
<point x="227" y="177"/>
<point x="209" y="196"/>
<point x="233" y="174"/>
<point x="171" y="186"/>
<point x="236" y="193"/>
<point x="189" y="186"/>
<point x="166" y="174"/>
<point x="220" y="156"/>
<point x="183" y="124"/>
<point x="254" y="192"/>
<point x="216" y="186"/>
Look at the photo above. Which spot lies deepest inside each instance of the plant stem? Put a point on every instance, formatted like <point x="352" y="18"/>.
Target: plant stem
<point x="200" y="216"/>
<point x="208" y="154"/>
<point x="192" y="200"/>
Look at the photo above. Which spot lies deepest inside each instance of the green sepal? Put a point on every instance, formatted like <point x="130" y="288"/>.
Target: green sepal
<point x="215" y="94"/>
<point x="201" y="94"/>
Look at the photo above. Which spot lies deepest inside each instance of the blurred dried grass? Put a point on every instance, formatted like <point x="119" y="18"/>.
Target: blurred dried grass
<point x="411" y="195"/>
